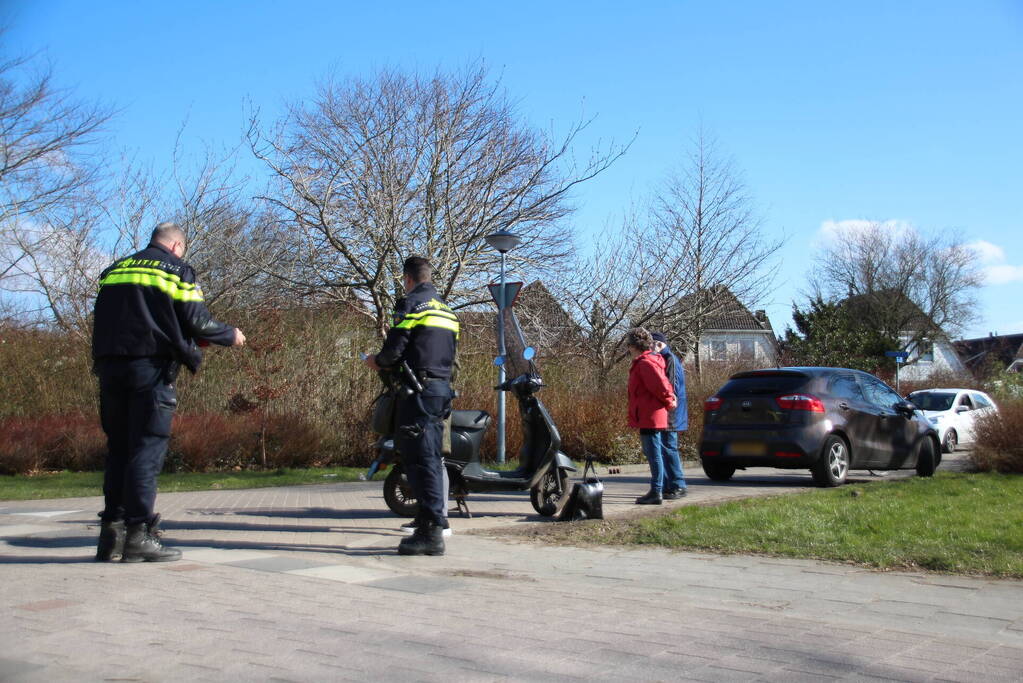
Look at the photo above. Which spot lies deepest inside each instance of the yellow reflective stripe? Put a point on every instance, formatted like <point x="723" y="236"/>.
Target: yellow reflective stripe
<point x="434" y="321"/>
<point x="121" y="268"/>
<point x="440" y="319"/>
<point x="447" y="314"/>
<point x="165" y="285"/>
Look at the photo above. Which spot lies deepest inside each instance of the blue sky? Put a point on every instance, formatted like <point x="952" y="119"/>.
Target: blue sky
<point x="909" y="111"/>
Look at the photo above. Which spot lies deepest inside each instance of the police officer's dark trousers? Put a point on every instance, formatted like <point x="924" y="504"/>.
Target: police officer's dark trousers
<point x="137" y="403"/>
<point x="420" y="430"/>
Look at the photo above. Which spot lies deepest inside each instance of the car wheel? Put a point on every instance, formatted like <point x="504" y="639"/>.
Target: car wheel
<point x="717" y="471"/>
<point x="832" y="468"/>
<point x="926" y="457"/>
<point x="951" y="441"/>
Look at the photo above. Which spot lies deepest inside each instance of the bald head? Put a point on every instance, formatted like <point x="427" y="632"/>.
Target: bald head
<point x="170" y="236"/>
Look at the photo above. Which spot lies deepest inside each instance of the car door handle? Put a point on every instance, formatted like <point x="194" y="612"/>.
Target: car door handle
<point x="843" y="405"/>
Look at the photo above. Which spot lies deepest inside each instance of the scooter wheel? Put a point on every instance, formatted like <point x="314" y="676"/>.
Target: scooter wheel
<point x="398" y="494"/>
<point x="546" y="496"/>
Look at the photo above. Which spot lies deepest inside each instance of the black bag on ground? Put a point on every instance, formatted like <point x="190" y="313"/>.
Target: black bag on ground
<point x="587" y="498"/>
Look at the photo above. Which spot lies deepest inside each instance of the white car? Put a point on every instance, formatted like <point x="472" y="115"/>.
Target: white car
<point x="953" y="412"/>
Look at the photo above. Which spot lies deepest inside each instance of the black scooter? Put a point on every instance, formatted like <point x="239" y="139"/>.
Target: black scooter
<point x="543" y="469"/>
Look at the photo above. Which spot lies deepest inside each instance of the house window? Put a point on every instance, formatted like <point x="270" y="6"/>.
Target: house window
<point x="925" y="351"/>
<point x="718" y="350"/>
<point x="747" y="349"/>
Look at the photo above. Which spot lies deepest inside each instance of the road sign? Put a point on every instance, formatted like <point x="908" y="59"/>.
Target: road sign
<point x="511" y="291"/>
<point x="899" y="356"/>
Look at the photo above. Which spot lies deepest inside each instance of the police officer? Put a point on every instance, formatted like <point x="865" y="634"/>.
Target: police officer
<point x="149" y="315"/>
<point x="424" y="335"/>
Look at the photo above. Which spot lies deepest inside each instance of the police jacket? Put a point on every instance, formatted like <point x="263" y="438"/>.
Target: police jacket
<point x="424" y="333"/>
<point x="149" y="304"/>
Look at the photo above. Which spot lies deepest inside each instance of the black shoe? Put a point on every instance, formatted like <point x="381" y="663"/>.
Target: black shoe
<point x="651" y="498"/>
<point x="674" y="495"/>
<point x="141" y="545"/>
<point x="428" y="539"/>
<point x="111" y="541"/>
<point x="409" y="528"/>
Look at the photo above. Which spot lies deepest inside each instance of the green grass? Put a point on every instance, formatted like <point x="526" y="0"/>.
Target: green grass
<point x="81" y="484"/>
<point x="954" y="522"/>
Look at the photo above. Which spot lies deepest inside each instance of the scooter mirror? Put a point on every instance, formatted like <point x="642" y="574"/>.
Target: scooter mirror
<point x="499" y="361"/>
<point x="528" y="353"/>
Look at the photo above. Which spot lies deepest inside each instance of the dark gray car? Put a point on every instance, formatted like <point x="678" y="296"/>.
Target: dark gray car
<point x="828" y="420"/>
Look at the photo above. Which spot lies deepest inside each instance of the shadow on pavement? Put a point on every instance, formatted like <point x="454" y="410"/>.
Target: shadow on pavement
<point x="299" y="513"/>
<point x="38" y="559"/>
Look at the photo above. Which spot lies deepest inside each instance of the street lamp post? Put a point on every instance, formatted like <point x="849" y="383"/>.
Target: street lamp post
<point x="503" y="241"/>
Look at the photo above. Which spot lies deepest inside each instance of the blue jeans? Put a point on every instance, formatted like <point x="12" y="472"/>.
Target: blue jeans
<point x="661" y="451"/>
<point x="674" y="477"/>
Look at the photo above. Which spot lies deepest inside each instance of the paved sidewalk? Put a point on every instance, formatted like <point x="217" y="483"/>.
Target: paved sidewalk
<point x="303" y="584"/>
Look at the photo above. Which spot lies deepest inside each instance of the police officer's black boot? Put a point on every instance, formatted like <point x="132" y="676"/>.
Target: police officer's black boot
<point x="428" y="539"/>
<point x="141" y="544"/>
<point x="111" y="541"/>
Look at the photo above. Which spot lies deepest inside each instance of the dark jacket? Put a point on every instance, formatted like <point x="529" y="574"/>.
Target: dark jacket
<point x="678" y="419"/>
<point x="149" y="305"/>
<point x="649" y="392"/>
<point x="424" y="333"/>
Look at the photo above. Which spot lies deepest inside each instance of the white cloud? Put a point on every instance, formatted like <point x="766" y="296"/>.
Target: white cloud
<point x="987" y="252"/>
<point x="1003" y="274"/>
<point x="996" y="270"/>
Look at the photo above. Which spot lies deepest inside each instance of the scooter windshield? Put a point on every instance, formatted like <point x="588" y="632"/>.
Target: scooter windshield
<point x="515" y="345"/>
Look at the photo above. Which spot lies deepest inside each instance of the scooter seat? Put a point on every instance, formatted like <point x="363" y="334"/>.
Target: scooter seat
<point x="469" y="419"/>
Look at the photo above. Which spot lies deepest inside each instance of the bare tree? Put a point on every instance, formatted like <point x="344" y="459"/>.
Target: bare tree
<point x="621" y="283"/>
<point x="46" y="137"/>
<point x="373" y="171"/>
<point x="700" y="250"/>
<point x="48" y="168"/>
<point x="224" y="225"/>
<point x="908" y="285"/>
<point x="712" y="242"/>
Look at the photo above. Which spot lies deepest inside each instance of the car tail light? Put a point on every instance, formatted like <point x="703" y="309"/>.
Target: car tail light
<point x="787" y="454"/>
<point x="807" y="402"/>
<point x="711" y="404"/>
<point x="711" y="452"/>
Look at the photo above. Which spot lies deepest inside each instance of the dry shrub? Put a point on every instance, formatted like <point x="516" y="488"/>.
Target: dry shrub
<point x="308" y="399"/>
<point x="998" y="446"/>
<point x="294" y="442"/>
<point x="210" y="441"/>
<point x="939" y="380"/>
<point x="72" y="441"/>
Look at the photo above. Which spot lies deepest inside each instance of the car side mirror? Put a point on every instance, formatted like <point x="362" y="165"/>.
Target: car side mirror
<point x="963" y="409"/>
<point x="904" y="407"/>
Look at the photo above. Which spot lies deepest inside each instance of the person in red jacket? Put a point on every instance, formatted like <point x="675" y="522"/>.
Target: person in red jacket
<point x="651" y="396"/>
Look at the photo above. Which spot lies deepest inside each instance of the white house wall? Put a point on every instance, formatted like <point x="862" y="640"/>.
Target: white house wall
<point x="764" y="350"/>
<point x="946" y="360"/>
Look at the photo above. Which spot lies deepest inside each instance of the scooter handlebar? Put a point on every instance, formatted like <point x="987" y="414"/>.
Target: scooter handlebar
<point x="534" y="382"/>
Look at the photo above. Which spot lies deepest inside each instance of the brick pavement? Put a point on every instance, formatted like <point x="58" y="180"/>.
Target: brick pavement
<point x="303" y="584"/>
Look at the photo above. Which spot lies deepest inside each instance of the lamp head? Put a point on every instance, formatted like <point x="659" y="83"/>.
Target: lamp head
<point x="503" y="241"/>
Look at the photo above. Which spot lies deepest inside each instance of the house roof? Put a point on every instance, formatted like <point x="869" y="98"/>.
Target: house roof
<point x="1002" y="349"/>
<point x="727" y="312"/>
<point x="544" y="323"/>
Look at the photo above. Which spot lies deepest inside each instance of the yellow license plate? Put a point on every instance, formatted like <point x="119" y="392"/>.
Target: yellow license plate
<point x="747" y="448"/>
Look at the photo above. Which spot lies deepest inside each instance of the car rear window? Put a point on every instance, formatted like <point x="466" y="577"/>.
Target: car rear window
<point x="764" y="384"/>
<point x="932" y="400"/>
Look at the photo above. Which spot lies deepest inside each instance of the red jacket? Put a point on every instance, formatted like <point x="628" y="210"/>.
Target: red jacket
<point x="650" y="393"/>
